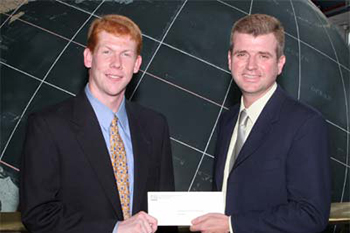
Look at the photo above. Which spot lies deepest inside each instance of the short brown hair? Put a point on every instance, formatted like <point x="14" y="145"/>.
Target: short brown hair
<point x="260" y="24"/>
<point x="117" y="25"/>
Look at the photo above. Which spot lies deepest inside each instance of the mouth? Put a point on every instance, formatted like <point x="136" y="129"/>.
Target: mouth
<point x="251" y="76"/>
<point x="114" y="76"/>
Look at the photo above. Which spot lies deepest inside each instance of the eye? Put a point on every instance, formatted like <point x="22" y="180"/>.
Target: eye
<point x="105" y="51"/>
<point x="127" y="54"/>
<point x="241" y="55"/>
<point x="264" y="56"/>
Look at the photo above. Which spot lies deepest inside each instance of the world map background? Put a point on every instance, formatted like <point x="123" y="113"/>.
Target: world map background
<point x="184" y="73"/>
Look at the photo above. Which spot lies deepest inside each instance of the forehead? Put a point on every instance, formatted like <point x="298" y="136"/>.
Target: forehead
<point x="261" y="43"/>
<point x="109" y="39"/>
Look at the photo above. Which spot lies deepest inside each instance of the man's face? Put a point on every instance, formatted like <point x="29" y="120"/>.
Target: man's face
<point x="112" y="66"/>
<point x="253" y="63"/>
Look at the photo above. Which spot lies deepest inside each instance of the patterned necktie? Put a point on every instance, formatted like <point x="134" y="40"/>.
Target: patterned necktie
<point x="242" y="125"/>
<point x="120" y="167"/>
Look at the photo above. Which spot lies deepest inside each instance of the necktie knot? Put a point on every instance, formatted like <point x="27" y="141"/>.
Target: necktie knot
<point x="243" y="118"/>
<point x="114" y="122"/>
<point x="114" y="126"/>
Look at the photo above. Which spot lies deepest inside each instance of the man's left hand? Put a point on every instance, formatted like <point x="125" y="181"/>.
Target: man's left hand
<point x="211" y="223"/>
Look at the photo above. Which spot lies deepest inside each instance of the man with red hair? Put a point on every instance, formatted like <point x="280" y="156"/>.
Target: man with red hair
<point x="89" y="161"/>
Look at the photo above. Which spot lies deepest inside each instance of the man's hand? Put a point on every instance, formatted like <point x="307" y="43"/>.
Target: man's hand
<point x="139" y="223"/>
<point x="211" y="223"/>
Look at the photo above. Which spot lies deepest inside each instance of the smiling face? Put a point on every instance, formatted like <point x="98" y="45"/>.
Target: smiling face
<point x="112" y="65"/>
<point x="254" y="64"/>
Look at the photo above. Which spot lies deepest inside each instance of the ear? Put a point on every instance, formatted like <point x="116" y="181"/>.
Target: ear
<point x="229" y="58"/>
<point x="137" y="65"/>
<point x="87" y="58"/>
<point x="280" y="63"/>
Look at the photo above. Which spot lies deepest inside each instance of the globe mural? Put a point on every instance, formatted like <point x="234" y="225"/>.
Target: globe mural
<point x="184" y="73"/>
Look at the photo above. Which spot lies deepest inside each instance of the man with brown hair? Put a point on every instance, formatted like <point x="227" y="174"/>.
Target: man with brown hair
<point x="271" y="159"/>
<point x="89" y="161"/>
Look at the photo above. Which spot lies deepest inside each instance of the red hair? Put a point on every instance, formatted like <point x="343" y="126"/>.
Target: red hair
<point x="117" y="25"/>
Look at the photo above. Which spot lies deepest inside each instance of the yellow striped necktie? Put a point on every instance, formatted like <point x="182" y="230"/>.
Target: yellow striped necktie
<point x="120" y="167"/>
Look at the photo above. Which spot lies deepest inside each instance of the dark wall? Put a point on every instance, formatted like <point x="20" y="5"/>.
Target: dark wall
<point x="184" y="72"/>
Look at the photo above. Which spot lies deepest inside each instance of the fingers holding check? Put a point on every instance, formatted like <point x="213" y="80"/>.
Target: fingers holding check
<point x="211" y="223"/>
<point x="139" y="223"/>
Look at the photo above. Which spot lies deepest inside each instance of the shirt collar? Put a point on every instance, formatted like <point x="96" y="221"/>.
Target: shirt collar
<point x="122" y="116"/>
<point x="256" y="108"/>
<point x="105" y="115"/>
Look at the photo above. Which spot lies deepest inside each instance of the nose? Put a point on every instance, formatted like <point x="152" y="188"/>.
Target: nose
<point x="251" y="63"/>
<point x="116" y="61"/>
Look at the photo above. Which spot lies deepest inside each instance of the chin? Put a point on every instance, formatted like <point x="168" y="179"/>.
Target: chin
<point x="249" y="87"/>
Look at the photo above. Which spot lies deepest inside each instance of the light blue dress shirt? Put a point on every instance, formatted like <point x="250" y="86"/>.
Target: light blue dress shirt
<point x="105" y="116"/>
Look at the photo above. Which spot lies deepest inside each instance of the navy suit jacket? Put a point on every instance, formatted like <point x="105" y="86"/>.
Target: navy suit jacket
<point x="280" y="181"/>
<point x="67" y="180"/>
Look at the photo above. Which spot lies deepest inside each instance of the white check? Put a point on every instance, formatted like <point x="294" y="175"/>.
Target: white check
<point x="180" y="208"/>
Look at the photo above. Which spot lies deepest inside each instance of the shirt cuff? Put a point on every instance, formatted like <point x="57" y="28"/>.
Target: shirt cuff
<point x="115" y="229"/>
<point x="229" y="223"/>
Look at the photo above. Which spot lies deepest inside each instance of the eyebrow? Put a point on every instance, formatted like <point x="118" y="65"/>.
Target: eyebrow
<point x="265" y="53"/>
<point x="124" y="50"/>
<point x="240" y="51"/>
<point x="260" y="52"/>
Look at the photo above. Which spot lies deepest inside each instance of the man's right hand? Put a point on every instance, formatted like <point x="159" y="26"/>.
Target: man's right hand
<point x="139" y="223"/>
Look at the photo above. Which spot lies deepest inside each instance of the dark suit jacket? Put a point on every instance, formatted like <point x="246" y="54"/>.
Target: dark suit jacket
<point x="67" y="181"/>
<point x="280" y="181"/>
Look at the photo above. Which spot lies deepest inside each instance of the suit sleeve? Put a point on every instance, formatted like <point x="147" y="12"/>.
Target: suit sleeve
<point x="166" y="170"/>
<point x="308" y="187"/>
<point x="218" y="174"/>
<point x="41" y="208"/>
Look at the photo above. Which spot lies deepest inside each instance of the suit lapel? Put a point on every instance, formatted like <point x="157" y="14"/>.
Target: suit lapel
<point x="262" y="126"/>
<point x="141" y="150"/>
<point x="227" y="131"/>
<point x="91" y="140"/>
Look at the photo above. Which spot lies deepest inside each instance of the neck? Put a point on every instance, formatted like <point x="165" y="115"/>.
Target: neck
<point x="248" y="100"/>
<point x="113" y="103"/>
